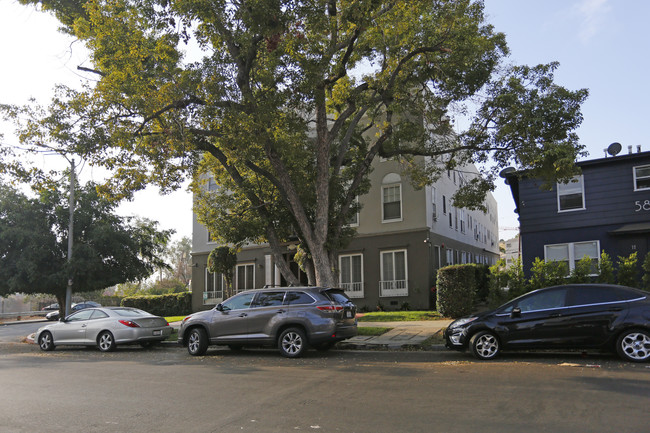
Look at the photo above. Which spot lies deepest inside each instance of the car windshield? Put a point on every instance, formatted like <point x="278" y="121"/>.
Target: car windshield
<point x="130" y="312"/>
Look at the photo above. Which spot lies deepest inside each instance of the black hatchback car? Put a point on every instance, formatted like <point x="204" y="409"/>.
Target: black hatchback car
<point x="290" y="318"/>
<point x="578" y="316"/>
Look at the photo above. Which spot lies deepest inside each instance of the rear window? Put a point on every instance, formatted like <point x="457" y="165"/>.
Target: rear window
<point x="268" y="299"/>
<point x="298" y="298"/>
<point x="129" y="312"/>
<point x="601" y="295"/>
<point x="337" y="295"/>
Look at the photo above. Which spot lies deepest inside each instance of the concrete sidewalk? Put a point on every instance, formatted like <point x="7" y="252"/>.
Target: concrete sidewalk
<point x="403" y="335"/>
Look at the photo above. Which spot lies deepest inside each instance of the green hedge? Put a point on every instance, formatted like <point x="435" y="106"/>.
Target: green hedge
<point x="175" y="304"/>
<point x="456" y="290"/>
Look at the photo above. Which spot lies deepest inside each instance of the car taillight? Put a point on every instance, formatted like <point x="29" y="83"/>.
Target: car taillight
<point x="129" y="323"/>
<point x="330" y="308"/>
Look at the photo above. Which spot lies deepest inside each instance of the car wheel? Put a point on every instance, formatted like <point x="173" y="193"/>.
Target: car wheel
<point x="292" y="342"/>
<point x="634" y="345"/>
<point x="197" y="342"/>
<point x="45" y="341"/>
<point x="106" y="342"/>
<point x="484" y="345"/>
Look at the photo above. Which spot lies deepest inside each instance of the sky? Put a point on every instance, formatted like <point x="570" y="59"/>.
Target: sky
<point x="602" y="45"/>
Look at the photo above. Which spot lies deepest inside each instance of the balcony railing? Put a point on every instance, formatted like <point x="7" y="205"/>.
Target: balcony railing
<point x="393" y="288"/>
<point x="212" y="298"/>
<point x="353" y="290"/>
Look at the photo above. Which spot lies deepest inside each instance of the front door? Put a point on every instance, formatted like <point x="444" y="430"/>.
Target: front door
<point x="73" y="329"/>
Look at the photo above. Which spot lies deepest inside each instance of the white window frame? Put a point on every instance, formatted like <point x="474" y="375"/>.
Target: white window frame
<point x="244" y="265"/>
<point x="214" y="296"/>
<point x="354" y="289"/>
<point x="393" y="288"/>
<point x="634" y="169"/>
<point x="401" y="214"/>
<point x="434" y="205"/>
<point x="356" y="222"/>
<point x="571" y="251"/>
<point x="571" y="188"/>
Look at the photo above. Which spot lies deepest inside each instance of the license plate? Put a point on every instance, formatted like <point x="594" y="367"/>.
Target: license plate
<point x="157" y="332"/>
<point x="348" y="314"/>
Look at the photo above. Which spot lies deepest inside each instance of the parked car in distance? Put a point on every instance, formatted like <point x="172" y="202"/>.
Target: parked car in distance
<point x="575" y="316"/>
<point x="55" y="315"/>
<point x="104" y="327"/>
<point x="290" y="318"/>
<point x="51" y="307"/>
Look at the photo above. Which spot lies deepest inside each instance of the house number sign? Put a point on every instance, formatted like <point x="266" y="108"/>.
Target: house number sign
<point x="642" y="205"/>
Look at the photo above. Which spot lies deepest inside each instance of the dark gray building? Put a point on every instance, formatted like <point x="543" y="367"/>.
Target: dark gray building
<point x="606" y="208"/>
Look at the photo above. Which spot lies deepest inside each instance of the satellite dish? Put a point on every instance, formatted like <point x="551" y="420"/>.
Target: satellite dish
<point x="506" y="171"/>
<point x="614" y="149"/>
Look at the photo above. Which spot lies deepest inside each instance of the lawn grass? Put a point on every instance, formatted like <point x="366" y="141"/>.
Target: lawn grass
<point x="372" y="331"/>
<point x="171" y="319"/>
<point x="398" y="316"/>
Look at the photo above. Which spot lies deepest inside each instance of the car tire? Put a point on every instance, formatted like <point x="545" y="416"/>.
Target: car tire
<point x="105" y="342"/>
<point x="45" y="341"/>
<point x="292" y="342"/>
<point x="634" y="345"/>
<point x="197" y="342"/>
<point x="484" y="345"/>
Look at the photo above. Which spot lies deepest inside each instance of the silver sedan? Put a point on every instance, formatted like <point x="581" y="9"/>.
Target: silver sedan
<point x="104" y="327"/>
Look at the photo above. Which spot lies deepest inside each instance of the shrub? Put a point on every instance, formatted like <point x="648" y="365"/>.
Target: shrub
<point x="646" y="273"/>
<point x="456" y="289"/>
<point x="582" y="270"/>
<point x="605" y="269"/>
<point x="482" y="276"/>
<point x="627" y="270"/>
<point x="546" y="274"/>
<point x="176" y="304"/>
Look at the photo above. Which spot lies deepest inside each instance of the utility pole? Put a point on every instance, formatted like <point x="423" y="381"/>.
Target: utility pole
<point x="68" y="292"/>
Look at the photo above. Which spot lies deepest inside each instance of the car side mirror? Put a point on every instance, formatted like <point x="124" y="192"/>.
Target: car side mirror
<point x="516" y="312"/>
<point x="219" y="307"/>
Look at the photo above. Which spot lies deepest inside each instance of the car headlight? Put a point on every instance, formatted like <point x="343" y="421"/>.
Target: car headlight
<point x="462" y="322"/>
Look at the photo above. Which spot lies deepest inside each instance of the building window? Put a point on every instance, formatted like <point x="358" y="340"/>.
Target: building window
<point x="444" y="205"/>
<point x="394" y="274"/>
<point x="245" y="277"/>
<point x="434" y="205"/>
<point x="641" y="178"/>
<point x="214" y="288"/>
<point x="450" y="256"/>
<point x="354" y="218"/>
<point x="351" y="274"/>
<point x="462" y="220"/>
<point x="570" y="254"/>
<point x="392" y="203"/>
<point x="571" y="195"/>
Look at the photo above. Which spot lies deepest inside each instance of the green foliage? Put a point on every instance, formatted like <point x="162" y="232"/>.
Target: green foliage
<point x="161" y="305"/>
<point x="498" y="284"/>
<point x="456" y="290"/>
<point x="222" y="260"/>
<point x="167" y="286"/>
<point x="546" y="274"/>
<point x="582" y="271"/>
<point x="628" y="271"/>
<point x="108" y="249"/>
<point x="482" y="281"/>
<point x="605" y="269"/>
<point x="290" y="102"/>
<point x="646" y="273"/>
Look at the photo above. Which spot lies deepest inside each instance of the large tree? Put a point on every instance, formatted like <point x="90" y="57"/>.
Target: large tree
<point x="108" y="249"/>
<point x="290" y="101"/>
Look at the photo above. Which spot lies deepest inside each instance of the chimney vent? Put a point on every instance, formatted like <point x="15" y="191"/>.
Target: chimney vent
<point x="629" y="150"/>
<point x="638" y="148"/>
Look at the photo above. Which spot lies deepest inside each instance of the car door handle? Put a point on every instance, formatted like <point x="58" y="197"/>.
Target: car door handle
<point x="616" y="309"/>
<point x="555" y="315"/>
<point x="84" y="325"/>
<point x="243" y="315"/>
<point x="281" y="311"/>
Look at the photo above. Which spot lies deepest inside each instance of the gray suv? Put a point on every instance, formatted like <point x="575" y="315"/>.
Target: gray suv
<point x="291" y="318"/>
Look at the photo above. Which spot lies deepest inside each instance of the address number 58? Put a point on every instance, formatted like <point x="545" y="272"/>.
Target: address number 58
<point x="645" y="205"/>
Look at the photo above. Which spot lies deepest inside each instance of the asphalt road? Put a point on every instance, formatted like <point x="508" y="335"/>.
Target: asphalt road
<point x="15" y="332"/>
<point x="165" y="390"/>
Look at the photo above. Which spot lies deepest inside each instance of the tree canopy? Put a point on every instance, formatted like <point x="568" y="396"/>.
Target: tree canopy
<point x="108" y="249"/>
<point x="286" y="103"/>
